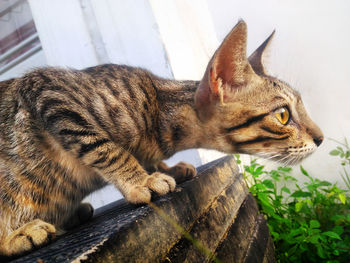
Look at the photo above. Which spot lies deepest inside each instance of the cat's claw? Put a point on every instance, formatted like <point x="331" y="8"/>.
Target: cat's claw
<point x="32" y="235"/>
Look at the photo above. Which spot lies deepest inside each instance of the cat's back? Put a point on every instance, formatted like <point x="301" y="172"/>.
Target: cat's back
<point x="119" y="102"/>
<point x="110" y="80"/>
<point x="37" y="87"/>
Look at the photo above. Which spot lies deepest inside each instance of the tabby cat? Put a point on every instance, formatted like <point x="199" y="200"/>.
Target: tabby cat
<point x="65" y="133"/>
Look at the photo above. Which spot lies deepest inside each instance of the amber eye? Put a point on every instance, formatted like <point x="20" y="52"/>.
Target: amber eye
<point x="282" y="114"/>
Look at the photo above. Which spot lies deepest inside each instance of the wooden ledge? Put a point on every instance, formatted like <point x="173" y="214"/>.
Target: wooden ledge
<point x="215" y="208"/>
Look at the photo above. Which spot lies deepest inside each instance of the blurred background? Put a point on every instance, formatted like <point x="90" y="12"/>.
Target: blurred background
<point x="176" y="38"/>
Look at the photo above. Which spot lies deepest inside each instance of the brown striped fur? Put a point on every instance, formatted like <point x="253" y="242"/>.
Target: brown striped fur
<point x="65" y="133"/>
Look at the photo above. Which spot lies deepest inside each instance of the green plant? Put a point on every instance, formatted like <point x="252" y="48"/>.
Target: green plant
<point x="309" y="222"/>
<point x="343" y="151"/>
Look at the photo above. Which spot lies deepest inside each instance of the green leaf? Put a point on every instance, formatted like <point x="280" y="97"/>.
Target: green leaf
<point x="300" y="193"/>
<point x="247" y="168"/>
<point x="275" y="176"/>
<point x="237" y="158"/>
<point x="324" y="183"/>
<point x="331" y="235"/>
<point x="303" y="247"/>
<point x="334" y="152"/>
<point x="320" y="251"/>
<point x="260" y="186"/>
<point x="287" y="177"/>
<point x="348" y="217"/>
<point x="258" y="170"/>
<point x="323" y="239"/>
<point x="269" y="184"/>
<point x="285" y="169"/>
<point x="309" y="202"/>
<point x="314" y="224"/>
<point x="293" y="250"/>
<point x="303" y="171"/>
<point x="342" y="198"/>
<point x="312" y="187"/>
<point x="338" y="229"/>
<point x="314" y="231"/>
<point x="264" y="197"/>
<point x="314" y="239"/>
<point x="295" y="232"/>
<point x="275" y="235"/>
<point x="298" y="206"/>
<point x="285" y="189"/>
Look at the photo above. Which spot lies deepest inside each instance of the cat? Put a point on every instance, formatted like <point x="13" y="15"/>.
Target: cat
<point x="65" y="133"/>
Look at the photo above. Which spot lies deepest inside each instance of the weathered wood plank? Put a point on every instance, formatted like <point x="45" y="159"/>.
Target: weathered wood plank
<point x="259" y="247"/>
<point x="234" y="247"/>
<point x="248" y="239"/>
<point x="212" y="226"/>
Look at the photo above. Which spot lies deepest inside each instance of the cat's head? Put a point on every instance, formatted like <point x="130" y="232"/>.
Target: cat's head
<point x="250" y="111"/>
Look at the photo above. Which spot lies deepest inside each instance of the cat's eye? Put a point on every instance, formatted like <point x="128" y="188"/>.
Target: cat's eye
<point x="282" y="114"/>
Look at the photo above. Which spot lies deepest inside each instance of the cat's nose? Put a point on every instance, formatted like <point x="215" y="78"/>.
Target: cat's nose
<point x="318" y="140"/>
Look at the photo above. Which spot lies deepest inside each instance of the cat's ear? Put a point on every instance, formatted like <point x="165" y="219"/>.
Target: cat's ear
<point x="257" y="57"/>
<point x="227" y="72"/>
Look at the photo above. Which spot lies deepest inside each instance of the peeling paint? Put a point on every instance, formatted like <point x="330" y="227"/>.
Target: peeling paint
<point x="85" y="255"/>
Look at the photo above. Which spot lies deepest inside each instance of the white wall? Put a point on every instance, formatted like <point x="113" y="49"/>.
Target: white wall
<point x="38" y="59"/>
<point x="130" y="34"/>
<point x="63" y="33"/>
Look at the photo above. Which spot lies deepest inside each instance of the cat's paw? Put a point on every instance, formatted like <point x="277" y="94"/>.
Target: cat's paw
<point x="160" y="183"/>
<point x="84" y="213"/>
<point x="157" y="182"/>
<point x="32" y="235"/>
<point x="182" y="172"/>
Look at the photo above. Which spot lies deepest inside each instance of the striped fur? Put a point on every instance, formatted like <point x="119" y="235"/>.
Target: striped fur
<point x="65" y="133"/>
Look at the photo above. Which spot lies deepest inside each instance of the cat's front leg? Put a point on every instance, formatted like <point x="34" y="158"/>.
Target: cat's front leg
<point x="126" y="173"/>
<point x="181" y="172"/>
<point x="115" y="164"/>
<point x="137" y="184"/>
<point x="29" y="236"/>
